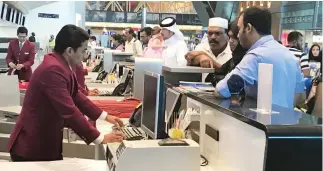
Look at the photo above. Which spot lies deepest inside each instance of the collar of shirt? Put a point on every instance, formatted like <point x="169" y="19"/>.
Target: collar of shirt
<point x="227" y="50"/>
<point x="132" y="40"/>
<point x="171" y="40"/>
<point x="294" y="48"/>
<point x="261" y="41"/>
<point x="21" y="43"/>
<point x="221" y="58"/>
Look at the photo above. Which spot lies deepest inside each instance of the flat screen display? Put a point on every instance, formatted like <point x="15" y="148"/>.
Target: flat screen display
<point x="149" y="102"/>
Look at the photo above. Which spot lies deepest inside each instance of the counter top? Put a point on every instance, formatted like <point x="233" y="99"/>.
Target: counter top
<point x="286" y="120"/>
<point x="73" y="164"/>
<point x="187" y="69"/>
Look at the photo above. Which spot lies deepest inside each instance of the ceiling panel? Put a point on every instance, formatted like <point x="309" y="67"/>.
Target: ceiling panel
<point x="25" y="6"/>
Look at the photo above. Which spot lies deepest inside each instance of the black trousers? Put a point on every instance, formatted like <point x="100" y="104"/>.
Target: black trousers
<point x="17" y="158"/>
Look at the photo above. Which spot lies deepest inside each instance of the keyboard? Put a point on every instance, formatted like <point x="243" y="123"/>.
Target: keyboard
<point x="132" y="133"/>
<point x="96" y="81"/>
<point x="104" y="93"/>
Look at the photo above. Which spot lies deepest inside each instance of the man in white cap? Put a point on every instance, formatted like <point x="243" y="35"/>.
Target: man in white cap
<point x="176" y="48"/>
<point x="216" y="51"/>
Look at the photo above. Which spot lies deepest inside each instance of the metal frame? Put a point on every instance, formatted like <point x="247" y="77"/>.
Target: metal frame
<point x="160" y="89"/>
<point x="180" y="7"/>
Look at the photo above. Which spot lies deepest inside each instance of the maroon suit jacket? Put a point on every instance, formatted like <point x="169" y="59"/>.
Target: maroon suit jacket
<point x="24" y="56"/>
<point x="79" y="72"/>
<point x="52" y="101"/>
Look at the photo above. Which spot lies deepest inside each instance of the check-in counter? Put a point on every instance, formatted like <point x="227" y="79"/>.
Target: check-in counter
<point x="175" y="74"/>
<point x="70" y="164"/>
<point x="112" y="56"/>
<point x="233" y="136"/>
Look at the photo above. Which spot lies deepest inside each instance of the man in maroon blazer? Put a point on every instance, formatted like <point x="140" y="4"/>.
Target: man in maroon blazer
<point x="80" y="73"/>
<point x="53" y="101"/>
<point x="21" y="55"/>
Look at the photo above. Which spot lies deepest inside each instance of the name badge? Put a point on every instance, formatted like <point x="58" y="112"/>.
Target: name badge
<point x="26" y="53"/>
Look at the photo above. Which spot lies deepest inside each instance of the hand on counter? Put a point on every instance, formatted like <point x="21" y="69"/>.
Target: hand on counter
<point x="192" y="54"/>
<point x="19" y="66"/>
<point x="94" y="92"/>
<point x="114" y="120"/>
<point x="12" y="65"/>
<point x="115" y="136"/>
<point x="206" y="62"/>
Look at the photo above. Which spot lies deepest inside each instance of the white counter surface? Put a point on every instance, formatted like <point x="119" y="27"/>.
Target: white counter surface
<point x="187" y="69"/>
<point x="11" y="109"/>
<point x="72" y="164"/>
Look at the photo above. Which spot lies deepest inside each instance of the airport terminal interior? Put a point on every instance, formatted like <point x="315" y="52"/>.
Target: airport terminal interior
<point x="161" y="85"/>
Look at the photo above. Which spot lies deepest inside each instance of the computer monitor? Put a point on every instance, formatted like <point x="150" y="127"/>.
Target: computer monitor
<point x="154" y="65"/>
<point x="171" y="102"/>
<point x="153" y="112"/>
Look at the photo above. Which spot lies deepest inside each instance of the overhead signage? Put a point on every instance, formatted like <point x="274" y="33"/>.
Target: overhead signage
<point x="44" y="15"/>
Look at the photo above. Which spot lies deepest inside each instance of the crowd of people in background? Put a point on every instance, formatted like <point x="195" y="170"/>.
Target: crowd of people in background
<point x="224" y="47"/>
<point x="234" y="50"/>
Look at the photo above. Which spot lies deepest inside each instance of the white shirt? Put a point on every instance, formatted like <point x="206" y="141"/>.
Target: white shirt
<point x="134" y="46"/>
<point x="100" y="138"/>
<point x="222" y="58"/>
<point x="22" y="43"/>
<point x="174" y="54"/>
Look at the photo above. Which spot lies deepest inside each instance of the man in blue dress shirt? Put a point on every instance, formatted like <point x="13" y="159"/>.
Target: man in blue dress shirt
<point x="255" y="34"/>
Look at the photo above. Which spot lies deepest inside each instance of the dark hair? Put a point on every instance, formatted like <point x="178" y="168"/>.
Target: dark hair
<point x="233" y="27"/>
<point x="259" y="18"/>
<point x="310" y="54"/>
<point x="131" y="31"/>
<point x="22" y="30"/>
<point x="93" y="37"/>
<point x="239" y="51"/>
<point x="118" y="38"/>
<point x="70" y="36"/>
<point x="147" y="30"/>
<point x="33" y="34"/>
<point x="294" y="36"/>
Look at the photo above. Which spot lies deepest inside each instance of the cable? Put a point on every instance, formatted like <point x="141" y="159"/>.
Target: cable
<point x="204" y="162"/>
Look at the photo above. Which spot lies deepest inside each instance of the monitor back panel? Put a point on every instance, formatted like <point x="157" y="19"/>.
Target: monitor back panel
<point x="154" y="65"/>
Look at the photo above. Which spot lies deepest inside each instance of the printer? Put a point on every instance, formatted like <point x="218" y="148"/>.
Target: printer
<point x="148" y="155"/>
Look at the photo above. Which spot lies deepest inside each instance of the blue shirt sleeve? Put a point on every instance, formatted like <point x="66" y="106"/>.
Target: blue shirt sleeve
<point x="247" y="70"/>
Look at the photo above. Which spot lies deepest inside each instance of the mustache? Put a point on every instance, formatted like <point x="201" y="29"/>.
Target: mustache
<point x="213" y="41"/>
